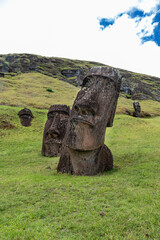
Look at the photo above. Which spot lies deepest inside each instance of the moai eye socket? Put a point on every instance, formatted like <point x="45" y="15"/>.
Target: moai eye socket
<point x="88" y="81"/>
<point x="51" y="115"/>
<point x="63" y="116"/>
<point x="76" y="108"/>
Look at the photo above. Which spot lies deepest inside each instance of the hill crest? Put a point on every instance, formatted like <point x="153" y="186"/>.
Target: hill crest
<point x="135" y="86"/>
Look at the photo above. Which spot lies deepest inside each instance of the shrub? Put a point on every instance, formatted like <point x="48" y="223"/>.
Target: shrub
<point x="128" y="96"/>
<point x="49" y="90"/>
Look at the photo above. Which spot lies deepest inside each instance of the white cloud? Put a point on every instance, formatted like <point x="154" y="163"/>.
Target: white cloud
<point x="147" y="5"/>
<point x="146" y="25"/>
<point x="70" y="29"/>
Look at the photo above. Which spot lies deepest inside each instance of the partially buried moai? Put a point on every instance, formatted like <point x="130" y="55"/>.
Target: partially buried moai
<point x="55" y="129"/>
<point x="26" y="117"/>
<point x="137" y="109"/>
<point x="93" y="110"/>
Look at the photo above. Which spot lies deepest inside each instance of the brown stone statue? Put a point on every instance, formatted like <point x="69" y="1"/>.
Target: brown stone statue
<point x="93" y="110"/>
<point x="26" y="117"/>
<point x="55" y="129"/>
<point x="137" y="109"/>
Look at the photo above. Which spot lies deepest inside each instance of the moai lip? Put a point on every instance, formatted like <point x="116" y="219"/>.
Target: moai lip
<point x="55" y="129"/>
<point x="93" y="110"/>
<point x="26" y="117"/>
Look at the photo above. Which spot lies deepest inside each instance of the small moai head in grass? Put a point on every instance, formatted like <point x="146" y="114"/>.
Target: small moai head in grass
<point x="137" y="109"/>
<point x="55" y="129"/>
<point x="26" y="117"/>
<point x="93" y="110"/>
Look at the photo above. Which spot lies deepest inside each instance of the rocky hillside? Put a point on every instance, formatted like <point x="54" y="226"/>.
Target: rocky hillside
<point x="134" y="85"/>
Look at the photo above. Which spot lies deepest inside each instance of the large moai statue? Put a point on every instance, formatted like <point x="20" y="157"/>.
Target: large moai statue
<point x="26" y="117"/>
<point x="55" y="129"/>
<point x="137" y="109"/>
<point x="93" y="110"/>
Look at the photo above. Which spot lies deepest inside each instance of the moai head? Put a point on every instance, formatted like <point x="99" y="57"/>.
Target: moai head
<point x="55" y="129"/>
<point x="26" y="117"/>
<point x="137" y="109"/>
<point x="93" y="109"/>
<point x="136" y="106"/>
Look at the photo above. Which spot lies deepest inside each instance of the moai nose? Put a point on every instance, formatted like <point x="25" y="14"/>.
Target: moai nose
<point x="53" y="130"/>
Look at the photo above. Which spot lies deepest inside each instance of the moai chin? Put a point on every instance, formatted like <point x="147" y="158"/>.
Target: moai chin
<point x="26" y="117"/>
<point x="93" y="110"/>
<point x="137" y="109"/>
<point x="55" y="129"/>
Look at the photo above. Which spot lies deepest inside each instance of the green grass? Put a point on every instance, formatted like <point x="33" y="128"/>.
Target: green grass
<point x="37" y="203"/>
<point x="29" y="89"/>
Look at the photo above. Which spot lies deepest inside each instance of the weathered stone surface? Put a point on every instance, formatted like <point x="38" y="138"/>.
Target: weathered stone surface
<point x="91" y="162"/>
<point x="65" y="165"/>
<point x="137" y="109"/>
<point x="26" y="117"/>
<point x="55" y="129"/>
<point x="3" y="66"/>
<point x="75" y="76"/>
<point x="100" y="160"/>
<point x="93" y="110"/>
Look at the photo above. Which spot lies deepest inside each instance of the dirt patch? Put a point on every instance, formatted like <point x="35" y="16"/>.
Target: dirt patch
<point x="6" y="125"/>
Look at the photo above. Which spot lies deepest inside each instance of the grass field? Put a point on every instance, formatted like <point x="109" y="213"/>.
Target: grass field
<point x="36" y="203"/>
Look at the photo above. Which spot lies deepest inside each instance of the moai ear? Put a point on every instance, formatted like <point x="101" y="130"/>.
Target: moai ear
<point x="118" y="84"/>
<point x="110" y="122"/>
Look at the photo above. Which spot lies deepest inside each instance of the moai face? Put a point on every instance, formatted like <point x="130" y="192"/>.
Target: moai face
<point x="26" y="117"/>
<point x="136" y="106"/>
<point x="55" y="129"/>
<point x="93" y="109"/>
<point x="137" y="109"/>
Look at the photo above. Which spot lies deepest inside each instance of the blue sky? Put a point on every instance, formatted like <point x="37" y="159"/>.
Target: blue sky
<point x="138" y="15"/>
<point x="119" y="33"/>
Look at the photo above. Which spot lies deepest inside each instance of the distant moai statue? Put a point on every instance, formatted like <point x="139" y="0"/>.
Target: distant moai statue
<point x="137" y="109"/>
<point x="26" y="117"/>
<point x="84" y="151"/>
<point x="55" y="129"/>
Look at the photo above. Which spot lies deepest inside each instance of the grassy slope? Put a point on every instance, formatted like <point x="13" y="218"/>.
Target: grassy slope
<point x="37" y="203"/>
<point x="142" y="86"/>
<point x="29" y="90"/>
<point x="147" y="106"/>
